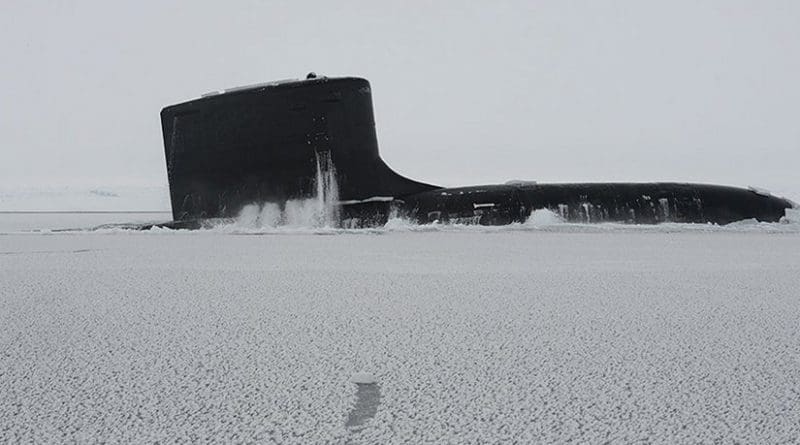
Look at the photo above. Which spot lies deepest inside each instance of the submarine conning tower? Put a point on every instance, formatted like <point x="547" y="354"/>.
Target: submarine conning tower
<point x="261" y="143"/>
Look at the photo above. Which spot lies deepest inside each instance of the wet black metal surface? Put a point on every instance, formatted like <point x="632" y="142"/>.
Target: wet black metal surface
<point x="259" y="144"/>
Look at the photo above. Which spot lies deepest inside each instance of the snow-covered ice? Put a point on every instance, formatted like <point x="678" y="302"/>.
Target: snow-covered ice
<point x="83" y="198"/>
<point x="529" y="334"/>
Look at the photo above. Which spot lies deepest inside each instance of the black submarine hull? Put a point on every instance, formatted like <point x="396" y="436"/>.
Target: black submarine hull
<point x="264" y="144"/>
<point x="635" y="203"/>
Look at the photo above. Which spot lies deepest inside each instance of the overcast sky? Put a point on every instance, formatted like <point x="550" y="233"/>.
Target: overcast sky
<point x="705" y="91"/>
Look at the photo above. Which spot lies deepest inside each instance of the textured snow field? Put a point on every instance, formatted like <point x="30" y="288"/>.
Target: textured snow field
<point x="496" y="337"/>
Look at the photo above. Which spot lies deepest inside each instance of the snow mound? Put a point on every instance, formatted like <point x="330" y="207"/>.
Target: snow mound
<point x="363" y="378"/>
<point x="792" y="216"/>
<point x="544" y="217"/>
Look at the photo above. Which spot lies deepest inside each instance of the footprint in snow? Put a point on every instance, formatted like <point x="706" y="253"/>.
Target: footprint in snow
<point x="368" y="397"/>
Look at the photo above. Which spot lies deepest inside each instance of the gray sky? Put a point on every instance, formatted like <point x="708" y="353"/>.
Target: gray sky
<point x="705" y="91"/>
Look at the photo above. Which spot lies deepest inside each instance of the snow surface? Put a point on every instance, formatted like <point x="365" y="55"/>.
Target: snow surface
<point x="534" y="333"/>
<point x="22" y="222"/>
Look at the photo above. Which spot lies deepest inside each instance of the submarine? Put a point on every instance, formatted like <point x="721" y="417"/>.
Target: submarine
<point x="315" y="138"/>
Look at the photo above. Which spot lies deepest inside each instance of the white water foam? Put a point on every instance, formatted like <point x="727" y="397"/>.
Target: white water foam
<point x="317" y="215"/>
<point x="318" y="211"/>
<point x="543" y="218"/>
<point x="255" y="224"/>
<point x="302" y="217"/>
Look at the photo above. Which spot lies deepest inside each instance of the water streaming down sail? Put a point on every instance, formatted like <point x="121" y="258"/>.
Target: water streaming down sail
<point x="327" y="188"/>
<point x="320" y="210"/>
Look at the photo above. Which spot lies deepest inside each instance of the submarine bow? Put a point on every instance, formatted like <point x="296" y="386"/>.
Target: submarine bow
<point x="267" y="143"/>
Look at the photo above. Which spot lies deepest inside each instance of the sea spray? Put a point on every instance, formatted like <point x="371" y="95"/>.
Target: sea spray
<point x="321" y="210"/>
<point x="544" y="217"/>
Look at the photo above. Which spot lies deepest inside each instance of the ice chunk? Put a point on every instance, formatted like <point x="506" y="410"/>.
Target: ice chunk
<point x="543" y="217"/>
<point x="759" y="191"/>
<point x="792" y="216"/>
<point x="363" y="378"/>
